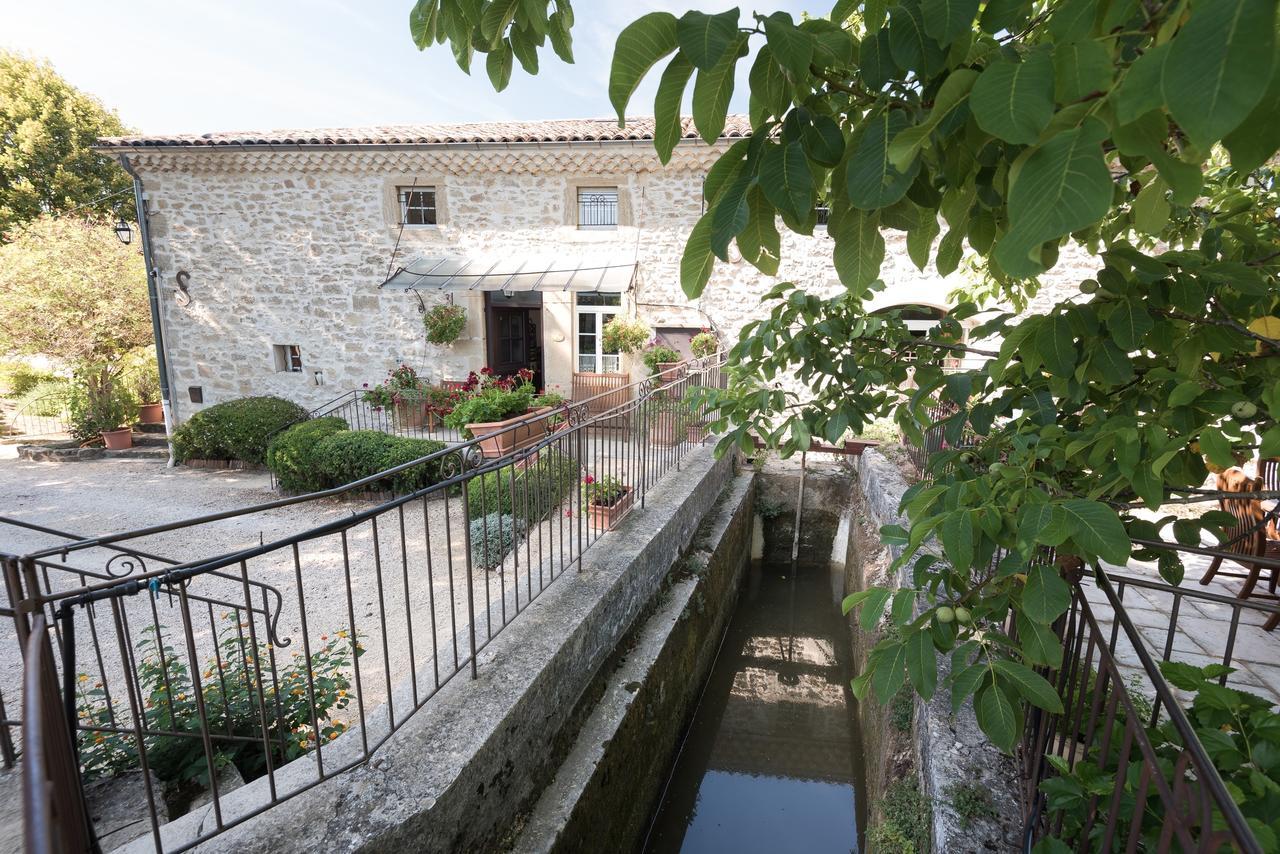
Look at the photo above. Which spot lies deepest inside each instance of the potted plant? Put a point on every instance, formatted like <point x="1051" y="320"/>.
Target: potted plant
<point x="663" y="363"/>
<point x="670" y="418"/>
<point x="144" y="384"/>
<point x="444" y="323"/>
<point x="102" y="409"/>
<point x="607" y="499"/>
<point x="504" y="412"/>
<point x="401" y="393"/>
<point x="625" y="335"/>
<point x="704" y="344"/>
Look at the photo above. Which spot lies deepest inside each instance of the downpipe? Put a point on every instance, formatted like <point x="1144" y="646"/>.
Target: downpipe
<point x="153" y="296"/>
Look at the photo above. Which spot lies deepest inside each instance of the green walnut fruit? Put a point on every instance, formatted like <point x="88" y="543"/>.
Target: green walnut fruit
<point x="1244" y="409"/>
<point x="963" y="615"/>
<point x="995" y="468"/>
<point x="1089" y="286"/>
<point x="946" y="614"/>
<point x="966" y="457"/>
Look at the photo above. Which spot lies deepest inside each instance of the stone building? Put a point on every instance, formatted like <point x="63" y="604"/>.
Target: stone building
<point x="273" y="252"/>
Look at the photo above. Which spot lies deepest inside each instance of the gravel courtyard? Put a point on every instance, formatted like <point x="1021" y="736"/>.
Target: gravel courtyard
<point x="408" y="599"/>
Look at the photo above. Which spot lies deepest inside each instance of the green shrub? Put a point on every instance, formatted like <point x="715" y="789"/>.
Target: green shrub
<point x="235" y="430"/>
<point x="544" y="481"/>
<point x="48" y="398"/>
<point x="492" y="537"/>
<point x="352" y="455"/>
<point x="292" y="457"/>
<point x="17" y="378"/>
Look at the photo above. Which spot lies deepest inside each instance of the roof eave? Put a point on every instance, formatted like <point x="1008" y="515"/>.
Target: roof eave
<point x="145" y="147"/>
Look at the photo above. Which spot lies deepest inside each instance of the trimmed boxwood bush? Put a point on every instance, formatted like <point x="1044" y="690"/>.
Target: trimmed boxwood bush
<point x="354" y="454"/>
<point x="492" y="538"/>
<point x="235" y="430"/>
<point x="292" y="458"/>
<point x="546" y="481"/>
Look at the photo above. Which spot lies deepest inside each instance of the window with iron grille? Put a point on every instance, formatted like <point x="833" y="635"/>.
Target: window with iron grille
<point x="597" y="208"/>
<point x="417" y="205"/>
<point x="824" y="214"/>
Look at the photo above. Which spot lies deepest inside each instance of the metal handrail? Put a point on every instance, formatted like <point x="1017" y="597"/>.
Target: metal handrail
<point x="1083" y="636"/>
<point x="445" y="602"/>
<point x="566" y="411"/>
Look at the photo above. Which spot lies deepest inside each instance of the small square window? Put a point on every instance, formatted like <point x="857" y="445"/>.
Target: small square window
<point x="598" y="208"/>
<point x="288" y="357"/>
<point x="417" y="205"/>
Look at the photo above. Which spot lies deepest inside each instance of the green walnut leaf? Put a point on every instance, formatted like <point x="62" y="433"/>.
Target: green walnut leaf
<point x="1219" y="66"/>
<point x="874" y="182"/>
<point x="706" y="38"/>
<point x="1063" y="186"/>
<point x="639" y="47"/>
<point x="1014" y="100"/>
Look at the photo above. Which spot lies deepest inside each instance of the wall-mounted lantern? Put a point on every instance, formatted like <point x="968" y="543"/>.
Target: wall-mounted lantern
<point x="124" y="232"/>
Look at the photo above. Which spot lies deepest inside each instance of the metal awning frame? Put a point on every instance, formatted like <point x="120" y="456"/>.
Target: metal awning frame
<point x="462" y="280"/>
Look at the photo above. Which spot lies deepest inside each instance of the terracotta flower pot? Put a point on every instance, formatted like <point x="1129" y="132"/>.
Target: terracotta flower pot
<point x="151" y="413"/>
<point x="664" y="429"/>
<point x="118" y="440"/>
<point x="530" y="429"/>
<point x="411" y="414"/>
<point x="605" y="516"/>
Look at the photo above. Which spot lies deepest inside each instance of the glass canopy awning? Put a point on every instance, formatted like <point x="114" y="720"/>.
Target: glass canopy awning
<point x="440" y="273"/>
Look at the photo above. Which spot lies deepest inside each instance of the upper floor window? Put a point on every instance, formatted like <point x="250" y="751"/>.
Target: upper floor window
<point x="598" y="208"/>
<point x="824" y="213"/>
<point x="417" y="205"/>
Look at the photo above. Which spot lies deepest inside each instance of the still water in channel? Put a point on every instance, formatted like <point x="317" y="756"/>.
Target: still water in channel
<point x="771" y="760"/>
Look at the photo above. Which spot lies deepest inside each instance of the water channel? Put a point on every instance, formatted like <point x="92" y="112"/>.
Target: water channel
<point x="771" y="762"/>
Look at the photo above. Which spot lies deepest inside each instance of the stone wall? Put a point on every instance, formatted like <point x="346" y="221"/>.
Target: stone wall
<point x="287" y="247"/>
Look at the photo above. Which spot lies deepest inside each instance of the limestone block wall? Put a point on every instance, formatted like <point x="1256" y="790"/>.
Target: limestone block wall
<point x="289" y="247"/>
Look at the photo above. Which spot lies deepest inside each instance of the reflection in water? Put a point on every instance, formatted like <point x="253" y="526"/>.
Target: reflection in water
<point x="770" y="763"/>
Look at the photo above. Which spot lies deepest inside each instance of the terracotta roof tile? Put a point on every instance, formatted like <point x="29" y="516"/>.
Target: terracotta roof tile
<point x="565" y="130"/>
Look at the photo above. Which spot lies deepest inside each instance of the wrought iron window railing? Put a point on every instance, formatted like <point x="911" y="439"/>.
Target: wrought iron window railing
<point x="598" y="209"/>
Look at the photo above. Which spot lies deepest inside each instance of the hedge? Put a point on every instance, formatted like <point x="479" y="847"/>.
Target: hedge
<point x="292" y="458"/>
<point x="235" y="430"/>
<point x="544" y="481"/>
<point x="352" y="455"/>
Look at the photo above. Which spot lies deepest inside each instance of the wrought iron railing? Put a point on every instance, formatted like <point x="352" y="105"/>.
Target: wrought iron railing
<point x="47" y="415"/>
<point x="415" y="422"/>
<point x="1114" y="694"/>
<point x="309" y="650"/>
<point x="1157" y="797"/>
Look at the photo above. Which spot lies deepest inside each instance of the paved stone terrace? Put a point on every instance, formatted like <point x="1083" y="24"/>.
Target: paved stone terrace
<point x="1200" y="634"/>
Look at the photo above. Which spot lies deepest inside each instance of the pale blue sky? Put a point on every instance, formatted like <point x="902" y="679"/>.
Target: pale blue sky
<point x="171" y="66"/>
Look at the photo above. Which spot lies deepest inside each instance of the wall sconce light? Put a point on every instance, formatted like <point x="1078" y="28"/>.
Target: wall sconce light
<point x="124" y="232"/>
<point x="319" y="377"/>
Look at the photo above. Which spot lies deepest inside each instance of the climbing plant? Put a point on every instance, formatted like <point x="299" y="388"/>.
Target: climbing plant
<point x="1134" y="133"/>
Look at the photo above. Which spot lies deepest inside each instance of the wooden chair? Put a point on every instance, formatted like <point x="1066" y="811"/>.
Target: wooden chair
<point x="1249" y="536"/>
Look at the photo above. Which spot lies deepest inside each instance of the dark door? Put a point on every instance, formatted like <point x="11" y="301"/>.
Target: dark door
<point x="515" y="340"/>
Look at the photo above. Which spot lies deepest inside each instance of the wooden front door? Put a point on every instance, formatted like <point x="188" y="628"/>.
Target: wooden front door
<point x="514" y="337"/>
